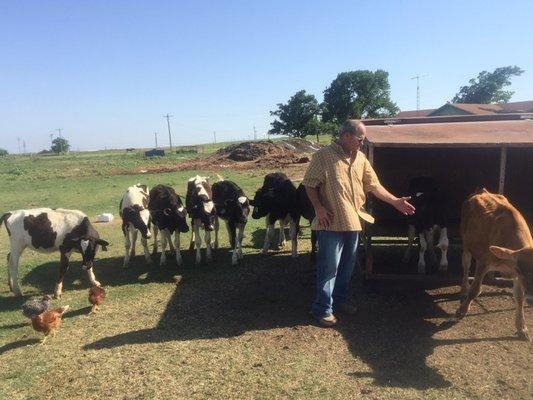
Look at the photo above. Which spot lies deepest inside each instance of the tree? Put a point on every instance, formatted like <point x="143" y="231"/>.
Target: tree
<point x="60" y="145"/>
<point x="3" y="152"/>
<point x="358" y="94"/>
<point x="318" y="127"/>
<point x="297" y="118"/>
<point x="488" y="87"/>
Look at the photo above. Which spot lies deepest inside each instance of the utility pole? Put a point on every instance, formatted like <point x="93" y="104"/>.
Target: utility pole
<point x="168" y="116"/>
<point x="24" y="146"/>
<point x="155" y="134"/>
<point x="18" y="140"/>
<point x="214" y="137"/>
<point x="417" y="77"/>
<point x="255" y="133"/>
<point x="51" y="139"/>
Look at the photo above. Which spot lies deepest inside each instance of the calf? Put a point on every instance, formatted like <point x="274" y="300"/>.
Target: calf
<point x="233" y="207"/>
<point x="276" y="200"/>
<point x="305" y="209"/>
<point x="46" y="230"/>
<point x="496" y="235"/>
<point x="168" y="216"/>
<point x="430" y="216"/>
<point x="136" y="218"/>
<point x="200" y="206"/>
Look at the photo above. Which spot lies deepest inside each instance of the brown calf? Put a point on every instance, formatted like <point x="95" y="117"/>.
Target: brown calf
<point x="497" y="236"/>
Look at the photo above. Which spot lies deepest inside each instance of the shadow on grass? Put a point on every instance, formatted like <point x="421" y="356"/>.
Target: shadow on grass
<point x="15" y="345"/>
<point x="391" y="333"/>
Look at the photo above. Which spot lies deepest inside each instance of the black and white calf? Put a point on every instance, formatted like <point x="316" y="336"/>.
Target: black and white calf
<point x="430" y="217"/>
<point x="168" y="216"/>
<point x="233" y="207"/>
<point x="46" y="230"/>
<point x="136" y="218"/>
<point x="277" y="201"/>
<point x="201" y="208"/>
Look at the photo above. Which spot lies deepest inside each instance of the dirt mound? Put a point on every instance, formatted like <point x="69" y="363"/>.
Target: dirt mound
<point x="254" y="151"/>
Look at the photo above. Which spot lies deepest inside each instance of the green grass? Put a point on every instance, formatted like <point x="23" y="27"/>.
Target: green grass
<point x="218" y="331"/>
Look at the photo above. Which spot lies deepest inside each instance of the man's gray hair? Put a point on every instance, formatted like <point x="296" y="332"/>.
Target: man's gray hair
<point x="351" y="126"/>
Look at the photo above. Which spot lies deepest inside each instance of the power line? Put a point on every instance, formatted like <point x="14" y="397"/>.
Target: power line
<point x="417" y="77"/>
<point x="168" y="116"/>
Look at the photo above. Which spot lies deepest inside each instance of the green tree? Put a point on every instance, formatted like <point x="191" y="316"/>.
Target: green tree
<point x="3" y="152"/>
<point x="297" y="118"/>
<point x="488" y="87"/>
<point x="60" y="145"/>
<point x="358" y="94"/>
<point x="318" y="127"/>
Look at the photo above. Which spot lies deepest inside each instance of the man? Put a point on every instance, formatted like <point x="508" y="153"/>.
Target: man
<point x="336" y="181"/>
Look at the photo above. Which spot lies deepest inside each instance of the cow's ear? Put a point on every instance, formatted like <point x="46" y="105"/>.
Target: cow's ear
<point x="102" y="243"/>
<point x="167" y="211"/>
<point x="504" y="254"/>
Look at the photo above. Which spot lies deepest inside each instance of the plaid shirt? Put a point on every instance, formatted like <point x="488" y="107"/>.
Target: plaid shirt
<point x="341" y="186"/>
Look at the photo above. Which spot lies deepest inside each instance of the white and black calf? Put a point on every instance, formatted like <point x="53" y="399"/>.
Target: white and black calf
<point x="46" y="230"/>
<point x="136" y="218"/>
<point x="168" y="216"/>
<point x="201" y="208"/>
<point x="277" y="201"/>
<point x="233" y="207"/>
<point x="430" y="217"/>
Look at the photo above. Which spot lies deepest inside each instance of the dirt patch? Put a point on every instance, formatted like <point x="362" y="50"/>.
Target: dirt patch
<point x="289" y="149"/>
<point x="243" y="156"/>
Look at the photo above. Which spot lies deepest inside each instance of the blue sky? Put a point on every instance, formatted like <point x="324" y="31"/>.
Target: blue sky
<point x="107" y="71"/>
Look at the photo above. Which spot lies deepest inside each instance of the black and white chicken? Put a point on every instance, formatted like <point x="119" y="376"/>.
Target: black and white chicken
<point x="34" y="306"/>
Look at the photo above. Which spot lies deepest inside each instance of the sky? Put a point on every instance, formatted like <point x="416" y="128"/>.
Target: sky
<point x="106" y="72"/>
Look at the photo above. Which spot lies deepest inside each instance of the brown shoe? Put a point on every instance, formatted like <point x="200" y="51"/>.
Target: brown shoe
<point x="327" y="321"/>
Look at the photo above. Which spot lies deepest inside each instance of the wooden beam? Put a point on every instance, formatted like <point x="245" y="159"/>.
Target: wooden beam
<point x="503" y="163"/>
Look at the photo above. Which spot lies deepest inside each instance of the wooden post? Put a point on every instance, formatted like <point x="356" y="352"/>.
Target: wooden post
<point x="503" y="163"/>
<point x="368" y="235"/>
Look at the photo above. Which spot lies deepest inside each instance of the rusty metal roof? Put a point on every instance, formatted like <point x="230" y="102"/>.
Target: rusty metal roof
<point x="415" y="113"/>
<point x="512" y="133"/>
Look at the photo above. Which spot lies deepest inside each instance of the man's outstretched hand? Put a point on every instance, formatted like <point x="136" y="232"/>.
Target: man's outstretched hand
<point x="402" y="205"/>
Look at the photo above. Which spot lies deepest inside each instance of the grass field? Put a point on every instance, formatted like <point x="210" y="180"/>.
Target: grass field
<point x="217" y="331"/>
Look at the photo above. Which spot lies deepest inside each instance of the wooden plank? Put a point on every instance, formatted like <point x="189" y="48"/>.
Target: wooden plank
<point x="503" y="164"/>
<point x="368" y="235"/>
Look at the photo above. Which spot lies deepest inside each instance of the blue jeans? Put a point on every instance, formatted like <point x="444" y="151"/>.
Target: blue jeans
<point x="334" y="268"/>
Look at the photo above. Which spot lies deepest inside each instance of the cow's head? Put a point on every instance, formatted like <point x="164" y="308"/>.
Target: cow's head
<point x="88" y="246"/>
<point x="262" y="202"/>
<point x="203" y="208"/>
<point x="177" y="214"/>
<point x="139" y="217"/>
<point x="522" y="261"/>
<point x="236" y="210"/>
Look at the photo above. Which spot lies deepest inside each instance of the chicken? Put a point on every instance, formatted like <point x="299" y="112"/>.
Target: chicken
<point x="35" y="306"/>
<point x="96" y="297"/>
<point x="48" y="321"/>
